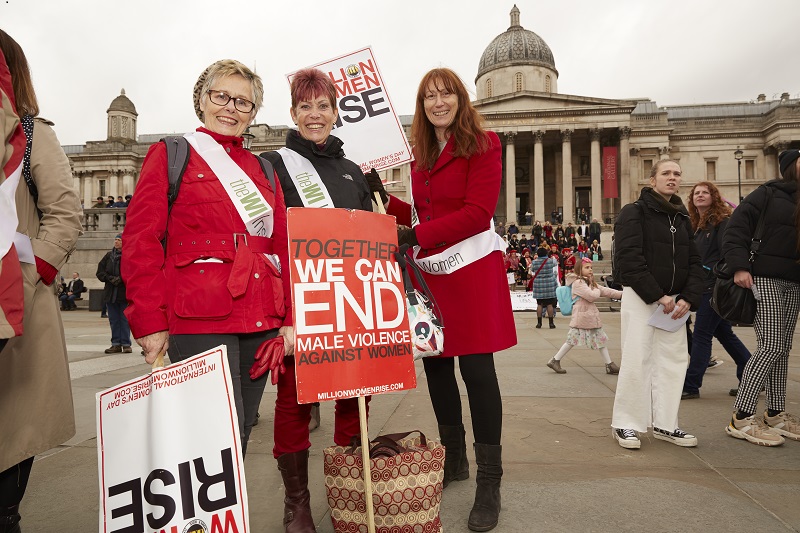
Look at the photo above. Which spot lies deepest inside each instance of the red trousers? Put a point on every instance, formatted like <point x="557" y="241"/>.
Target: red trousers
<point x="292" y="418"/>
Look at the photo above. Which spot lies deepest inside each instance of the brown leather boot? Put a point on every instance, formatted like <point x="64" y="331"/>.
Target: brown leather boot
<point x="486" y="509"/>
<point x="456" y="467"/>
<point x="297" y="503"/>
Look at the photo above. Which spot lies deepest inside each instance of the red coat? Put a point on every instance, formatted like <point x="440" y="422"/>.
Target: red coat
<point x="180" y="294"/>
<point x="455" y="200"/>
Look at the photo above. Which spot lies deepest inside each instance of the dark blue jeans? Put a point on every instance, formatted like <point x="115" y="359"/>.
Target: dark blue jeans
<point x="709" y="324"/>
<point x="120" y="331"/>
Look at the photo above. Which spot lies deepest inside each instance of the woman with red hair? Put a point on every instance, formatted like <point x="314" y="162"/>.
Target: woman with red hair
<point x="455" y="184"/>
<point x="709" y="215"/>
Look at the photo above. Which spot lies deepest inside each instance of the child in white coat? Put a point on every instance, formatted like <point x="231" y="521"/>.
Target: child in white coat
<point x="585" y="327"/>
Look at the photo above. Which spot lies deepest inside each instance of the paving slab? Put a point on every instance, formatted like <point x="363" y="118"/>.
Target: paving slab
<point x="563" y="470"/>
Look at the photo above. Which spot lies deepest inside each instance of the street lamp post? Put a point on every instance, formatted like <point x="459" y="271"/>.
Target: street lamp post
<point x="247" y="140"/>
<point x="738" y="155"/>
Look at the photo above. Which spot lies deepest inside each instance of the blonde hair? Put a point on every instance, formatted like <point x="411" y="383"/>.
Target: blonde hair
<point x="579" y="272"/>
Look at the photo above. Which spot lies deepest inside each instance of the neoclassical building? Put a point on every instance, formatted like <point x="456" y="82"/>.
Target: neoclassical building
<point x="562" y="152"/>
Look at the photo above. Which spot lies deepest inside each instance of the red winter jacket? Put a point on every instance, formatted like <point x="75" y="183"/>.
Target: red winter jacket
<point x="171" y="290"/>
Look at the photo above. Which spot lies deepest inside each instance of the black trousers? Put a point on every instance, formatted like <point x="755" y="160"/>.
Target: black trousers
<point x="483" y="393"/>
<point x="13" y="483"/>
<point x="241" y="356"/>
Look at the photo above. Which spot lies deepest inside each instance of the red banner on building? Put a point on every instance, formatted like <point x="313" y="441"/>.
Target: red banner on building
<point x="350" y="319"/>
<point x="610" y="187"/>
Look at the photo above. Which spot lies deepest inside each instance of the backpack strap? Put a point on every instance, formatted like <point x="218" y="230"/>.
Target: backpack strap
<point x="27" y="127"/>
<point x="178" y="159"/>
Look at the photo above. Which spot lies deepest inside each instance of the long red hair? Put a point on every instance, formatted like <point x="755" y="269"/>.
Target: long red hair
<point x="466" y="129"/>
<point x="716" y="213"/>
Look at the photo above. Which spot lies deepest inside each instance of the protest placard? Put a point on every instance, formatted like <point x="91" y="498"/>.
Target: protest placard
<point x="371" y="130"/>
<point x="350" y="320"/>
<point x="522" y="301"/>
<point x="169" y="452"/>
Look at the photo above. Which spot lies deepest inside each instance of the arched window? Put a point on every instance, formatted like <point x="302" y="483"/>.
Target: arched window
<point x="547" y="84"/>
<point x="518" y="85"/>
<point x="489" y="87"/>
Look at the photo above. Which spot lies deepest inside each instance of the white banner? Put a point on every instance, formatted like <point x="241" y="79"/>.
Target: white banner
<point x="169" y="452"/>
<point x="371" y="130"/>
<point x="522" y="301"/>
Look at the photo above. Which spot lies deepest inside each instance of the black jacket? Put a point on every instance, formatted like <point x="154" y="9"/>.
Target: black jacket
<point x="709" y="245"/>
<point x="344" y="180"/>
<point x="77" y="287"/>
<point x="651" y="258"/>
<point x="777" y="256"/>
<point x="108" y="272"/>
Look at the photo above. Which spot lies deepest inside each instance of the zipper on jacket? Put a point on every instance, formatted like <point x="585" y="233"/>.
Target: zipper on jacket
<point x="672" y="230"/>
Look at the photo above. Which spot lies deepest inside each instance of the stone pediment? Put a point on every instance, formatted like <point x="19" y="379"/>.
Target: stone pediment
<point x="531" y="101"/>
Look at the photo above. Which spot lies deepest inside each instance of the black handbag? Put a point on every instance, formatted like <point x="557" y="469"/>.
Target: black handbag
<point x="732" y="302"/>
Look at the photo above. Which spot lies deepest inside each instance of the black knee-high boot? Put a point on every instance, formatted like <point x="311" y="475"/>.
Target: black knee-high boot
<point x="9" y="520"/>
<point x="486" y="509"/>
<point x="456" y="467"/>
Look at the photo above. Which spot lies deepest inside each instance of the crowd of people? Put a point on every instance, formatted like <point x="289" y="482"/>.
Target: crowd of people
<point x="195" y="273"/>
<point x="566" y="245"/>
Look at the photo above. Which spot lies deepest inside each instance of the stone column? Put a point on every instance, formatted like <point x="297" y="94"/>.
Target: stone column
<point x="511" y="179"/>
<point x="770" y="167"/>
<point x="568" y="194"/>
<point x="127" y="182"/>
<point x="531" y="184"/>
<point x="627" y="189"/>
<point x="596" y="170"/>
<point x="538" y="177"/>
<point x="88" y="189"/>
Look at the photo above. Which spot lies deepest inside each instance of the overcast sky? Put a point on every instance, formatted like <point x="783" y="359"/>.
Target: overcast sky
<point x="82" y="52"/>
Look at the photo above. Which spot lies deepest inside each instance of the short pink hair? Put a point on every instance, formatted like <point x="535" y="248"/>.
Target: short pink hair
<point x="310" y="83"/>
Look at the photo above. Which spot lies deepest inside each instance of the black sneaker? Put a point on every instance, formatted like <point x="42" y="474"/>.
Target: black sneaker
<point x="677" y="437"/>
<point x="685" y="395"/>
<point x="627" y="438"/>
<point x="733" y="392"/>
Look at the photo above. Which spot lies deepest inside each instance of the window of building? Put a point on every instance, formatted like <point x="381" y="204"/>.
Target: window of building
<point x="647" y="166"/>
<point x="518" y="85"/>
<point x="711" y="170"/>
<point x="749" y="169"/>
<point x="547" y="84"/>
<point x="489" y="87"/>
<point x="102" y="188"/>
<point x="395" y="174"/>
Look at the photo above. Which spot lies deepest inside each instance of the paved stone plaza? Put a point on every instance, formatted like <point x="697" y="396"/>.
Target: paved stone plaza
<point x="563" y="471"/>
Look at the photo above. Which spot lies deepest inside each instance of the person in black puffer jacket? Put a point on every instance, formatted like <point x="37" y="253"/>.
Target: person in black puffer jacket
<point x="774" y="275"/>
<point x="657" y="263"/>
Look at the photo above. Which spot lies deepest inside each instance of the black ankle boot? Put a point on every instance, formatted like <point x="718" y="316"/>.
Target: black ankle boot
<point x="486" y="509"/>
<point x="297" y="503"/>
<point x="539" y="322"/>
<point x="456" y="467"/>
<point x="9" y="520"/>
<point x="552" y="325"/>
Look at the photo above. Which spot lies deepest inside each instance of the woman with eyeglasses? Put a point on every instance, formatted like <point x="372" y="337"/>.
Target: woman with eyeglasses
<point x="201" y="271"/>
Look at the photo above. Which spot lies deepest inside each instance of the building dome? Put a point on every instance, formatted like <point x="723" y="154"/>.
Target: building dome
<point x="516" y="46"/>
<point x="122" y="103"/>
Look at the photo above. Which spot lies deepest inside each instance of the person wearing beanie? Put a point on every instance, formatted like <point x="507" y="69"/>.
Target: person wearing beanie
<point x="774" y="273"/>
<point x="109" y="272"/>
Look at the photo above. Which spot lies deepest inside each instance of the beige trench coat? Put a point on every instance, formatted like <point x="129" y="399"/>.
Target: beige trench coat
<point x="36" y="411"/>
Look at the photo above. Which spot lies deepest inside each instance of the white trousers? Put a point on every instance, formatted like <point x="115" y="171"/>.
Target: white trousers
<point x="652" y="371"/>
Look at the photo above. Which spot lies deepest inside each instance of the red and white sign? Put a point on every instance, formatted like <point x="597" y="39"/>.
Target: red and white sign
<point x="169" y="453"/>
<point x="371" y="130"/>
<point x="610" y="188"/>
<point x="350" y="319"/>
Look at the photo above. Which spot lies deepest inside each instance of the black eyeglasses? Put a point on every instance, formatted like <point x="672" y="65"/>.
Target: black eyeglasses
<point x="222" y="98"/>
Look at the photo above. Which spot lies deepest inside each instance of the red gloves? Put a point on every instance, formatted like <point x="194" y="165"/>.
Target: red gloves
<point x="269" y="357"/>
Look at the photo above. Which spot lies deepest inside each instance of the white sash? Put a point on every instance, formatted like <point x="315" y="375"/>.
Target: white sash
<point x="254" y="210"/>
<point x="8" y="210"/>
<point x="461" y="254"/>
<point x="306" y="179"/>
